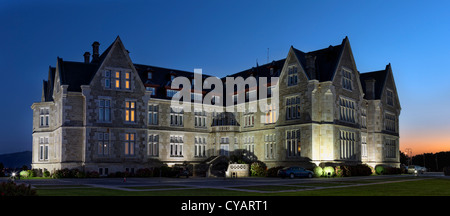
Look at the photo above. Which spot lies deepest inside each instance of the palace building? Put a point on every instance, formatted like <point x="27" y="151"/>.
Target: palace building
<point x="108" y="114"/>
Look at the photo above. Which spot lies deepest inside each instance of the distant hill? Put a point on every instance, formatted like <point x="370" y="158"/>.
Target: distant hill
<point x="16" y="160"/>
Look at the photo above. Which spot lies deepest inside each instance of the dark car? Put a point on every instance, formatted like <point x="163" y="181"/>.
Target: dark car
<point x="294" y="171"/>
<point x="183" y="172"/>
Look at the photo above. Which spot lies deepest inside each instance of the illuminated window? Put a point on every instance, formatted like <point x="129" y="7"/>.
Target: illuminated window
<point x="293" y="144"/>
<point x="127" y="80"/>
<point x="271" y="115"/>
<point x="130" y="111"/>
<point x="103" y="144"/>
<point x="176" y="146"/>
<point x="117" y="79"/>
<point x="153" y="145"/>
<point x="347" y="144"/>
<point x="153" y="114"/>
<point x="347" y="79"/>
<point x="44" y="117"/>
<point x="104" y="110"/>
<point x="130" y="141"/>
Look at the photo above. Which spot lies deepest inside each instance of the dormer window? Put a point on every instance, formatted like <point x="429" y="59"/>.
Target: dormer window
<point x="149" y="75"/>
<point x="390" y="97"/>
<point x="172" y="76"/>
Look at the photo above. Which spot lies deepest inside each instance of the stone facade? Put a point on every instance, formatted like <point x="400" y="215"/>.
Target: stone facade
<point x="109" y="120"/>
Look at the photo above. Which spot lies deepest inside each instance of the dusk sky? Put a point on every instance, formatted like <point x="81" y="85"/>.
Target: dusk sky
<point x="225" y="37"/>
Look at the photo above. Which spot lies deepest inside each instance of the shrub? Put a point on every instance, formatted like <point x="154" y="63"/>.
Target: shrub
<point x="379" y="169"/>
<point x="318" y="171"/>
<point x="144" y="172"/>
<point x="92" y="174"/>
<point x="258" y="169"/>
<point x="273" y="172"/>
<point x="31" y="173"/>
<point x="12" y="189"/>
<point x="328" y="171"/>
<point x="46" y="173"/>
<point x="24" y="174"/>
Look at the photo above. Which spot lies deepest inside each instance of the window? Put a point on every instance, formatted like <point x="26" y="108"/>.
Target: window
<point x="153" y="146"/>
<point x="149" y="75"/>
<point x="152" y="89"/>
<point x="389" y="122"/>
<point x="200" y="146"/>
<point x="251" y="95"/>
<point x="117" y="79"/>
<point x="171" y="93"/>
<point x="127" y="80"/>
<point x="130" y="111"/>
<point x="130" y="141"/>
<point x="271" y="115"/>
<point x="363" y="146"/>
<point x="107" y="79"/>
<point x="153" y="114"/>
<point x="364" y="118"/>
<point x="249" y="144"/>
<point x="44" y="117"/>
<point x="104" y="110"/>
<point x="293" y="107"/>
<point x="224" y="149"/>
<point x="293" y="144"/>
<point x="390" y="148"/>
<point x="270" y="147"/>
<point x="103" y="144"/>
<point x="347" y="79"/>
<point x="176" y="116"/>
<point x="249" y="119"/>
<point x="200" y="118"/>
<point x="176" y="146"/>
<point x="390" y="97"/>
<point x="347" y="110"/>
<point x="292" y="76"/>
<point x="347" y="145"/>
<point x="43" y="148"/>
<point x="196" y="96"/>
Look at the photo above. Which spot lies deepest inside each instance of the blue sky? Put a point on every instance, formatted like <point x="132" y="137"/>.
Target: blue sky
<point x="225" y="37"/>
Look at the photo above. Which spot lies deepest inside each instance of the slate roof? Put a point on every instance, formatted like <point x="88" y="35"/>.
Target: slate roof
<point x="380" y="79"/>
<point x="76" y="74"/>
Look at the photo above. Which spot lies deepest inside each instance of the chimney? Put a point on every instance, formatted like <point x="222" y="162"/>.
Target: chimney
<point x="95" y="54"/>
<point x="370" y="88"/>
<point x="87" y="57"/>
<point x="311" y="66"/>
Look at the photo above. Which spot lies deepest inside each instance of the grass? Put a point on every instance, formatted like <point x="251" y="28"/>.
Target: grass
<point x="425" y="187"/>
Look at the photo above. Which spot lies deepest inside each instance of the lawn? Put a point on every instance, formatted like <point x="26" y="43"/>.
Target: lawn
<point x="425" y="187"/>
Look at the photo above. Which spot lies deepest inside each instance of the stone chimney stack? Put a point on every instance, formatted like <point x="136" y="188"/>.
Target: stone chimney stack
<point x="311" y="66"/>
<point x="87" y="57"/>
<point x="370" y="88"/>
<point x="95" y="53"/>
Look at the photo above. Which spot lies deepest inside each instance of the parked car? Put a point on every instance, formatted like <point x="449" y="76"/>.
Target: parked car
<point x="294" y="171"/>
<point x="414" y="169"/>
